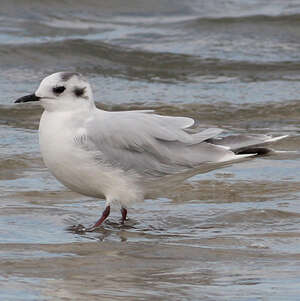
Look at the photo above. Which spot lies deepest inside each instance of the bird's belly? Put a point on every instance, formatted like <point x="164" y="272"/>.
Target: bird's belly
<point x="82" y="174"/>
<point x="68" y="163"/>
<point x="79" y="169"/>
<point x="75" y="171"/>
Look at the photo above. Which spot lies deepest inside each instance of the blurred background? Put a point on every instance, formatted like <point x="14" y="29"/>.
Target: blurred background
<point x="230" y="234"/>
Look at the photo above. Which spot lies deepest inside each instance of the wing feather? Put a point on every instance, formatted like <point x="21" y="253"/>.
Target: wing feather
<point x="150" y="144"/>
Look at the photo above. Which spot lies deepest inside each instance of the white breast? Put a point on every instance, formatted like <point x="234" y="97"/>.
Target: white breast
<point x="76" y="167"/>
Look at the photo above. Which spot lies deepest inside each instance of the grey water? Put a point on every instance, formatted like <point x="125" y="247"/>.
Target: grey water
<point x="229" y="234"/>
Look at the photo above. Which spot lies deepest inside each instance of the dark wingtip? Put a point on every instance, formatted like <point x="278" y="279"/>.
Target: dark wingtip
<point x="27" y="98"/>
<point x="259" y="151"/>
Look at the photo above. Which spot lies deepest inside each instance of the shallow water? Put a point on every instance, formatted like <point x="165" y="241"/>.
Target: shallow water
<point x="229" y="234"/>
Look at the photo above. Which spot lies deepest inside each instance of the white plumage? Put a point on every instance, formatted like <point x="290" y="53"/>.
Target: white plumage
<point x="121" y="155"/>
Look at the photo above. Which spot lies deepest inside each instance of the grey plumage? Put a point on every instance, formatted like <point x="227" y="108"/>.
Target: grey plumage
<point x="153" y="145"/>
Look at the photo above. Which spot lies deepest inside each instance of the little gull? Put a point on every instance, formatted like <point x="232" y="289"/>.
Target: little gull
<point x="122" y="156"/>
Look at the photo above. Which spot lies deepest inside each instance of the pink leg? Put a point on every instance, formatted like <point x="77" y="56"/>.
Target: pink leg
<point x="105" y="214"/>
<point x="124" y="215"/>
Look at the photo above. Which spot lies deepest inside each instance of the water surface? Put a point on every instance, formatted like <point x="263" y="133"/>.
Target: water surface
<point x="229" y="234"/>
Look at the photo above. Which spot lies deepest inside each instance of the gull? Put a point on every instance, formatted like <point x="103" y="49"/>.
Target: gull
<point x="123" y="156"/>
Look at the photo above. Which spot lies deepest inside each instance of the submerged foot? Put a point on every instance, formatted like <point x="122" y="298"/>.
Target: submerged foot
<point x="78" y="229"/>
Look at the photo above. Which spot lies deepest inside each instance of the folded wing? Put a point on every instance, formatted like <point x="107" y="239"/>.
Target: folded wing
<point x="150" y="144"/>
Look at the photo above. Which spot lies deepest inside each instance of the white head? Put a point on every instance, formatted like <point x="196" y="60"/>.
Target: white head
<point x="63" y="91"/>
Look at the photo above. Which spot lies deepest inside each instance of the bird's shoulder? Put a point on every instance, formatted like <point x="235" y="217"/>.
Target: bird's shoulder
<point x="137" y="127"/>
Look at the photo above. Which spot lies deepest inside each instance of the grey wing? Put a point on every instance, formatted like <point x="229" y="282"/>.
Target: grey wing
<point x="150" y="144"/>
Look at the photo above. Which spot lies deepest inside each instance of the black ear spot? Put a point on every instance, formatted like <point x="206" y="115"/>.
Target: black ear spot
<point x="59" y="90"/>
<point x="79" y="92"/>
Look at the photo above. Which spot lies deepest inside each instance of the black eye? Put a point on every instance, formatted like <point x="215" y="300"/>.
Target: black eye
<point x="79" y="91"/>
<point x="59" y="90"/>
